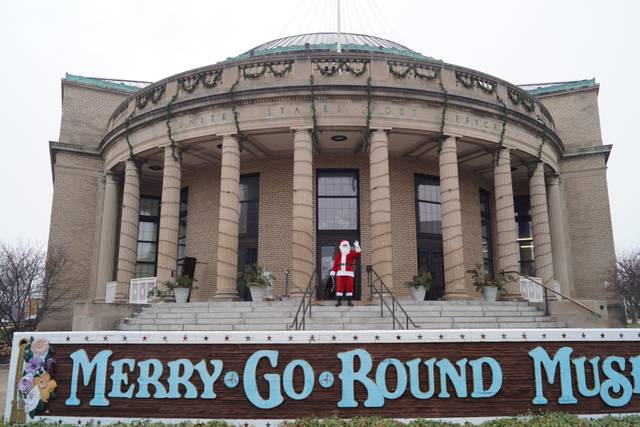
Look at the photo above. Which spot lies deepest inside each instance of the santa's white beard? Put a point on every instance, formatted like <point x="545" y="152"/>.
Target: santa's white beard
<point x="345" y="250"/>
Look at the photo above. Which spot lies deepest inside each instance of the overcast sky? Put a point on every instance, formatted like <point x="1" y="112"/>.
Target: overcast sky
<point x="522" y="42"/>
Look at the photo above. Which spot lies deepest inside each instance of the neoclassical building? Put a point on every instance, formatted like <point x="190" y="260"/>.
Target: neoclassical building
<point x="275" y="155"/>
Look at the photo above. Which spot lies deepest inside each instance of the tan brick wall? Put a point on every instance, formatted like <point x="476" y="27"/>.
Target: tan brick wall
<point x="73" y="228"/>
<point x="576" y="117"/>
<point x="584" y="185"/>
<point x="202" y="227"/>
<point x="85" y="113"/>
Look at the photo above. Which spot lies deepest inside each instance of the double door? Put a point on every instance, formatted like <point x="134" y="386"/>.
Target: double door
<point x="338" y="218"/>
<point x="327" y="250"/>
<point x="430" y="258"/>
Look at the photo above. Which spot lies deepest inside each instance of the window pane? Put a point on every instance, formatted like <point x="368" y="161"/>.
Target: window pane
<point x="248" y="188"/>
<point x="337" y="214"/>
<point x="148" y="231"/>
<point x="485" y="202"/>
<point x="429" y="218"/>
<point x="338" y="185"/>
<point x="145" y="270"/>
<point x="429" y="191"/>
<point x="249" y="219"/>
<point x="146" y="252"/>
<point x="149" y="206"/>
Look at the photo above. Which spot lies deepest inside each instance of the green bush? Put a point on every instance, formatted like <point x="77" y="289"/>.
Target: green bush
<point x="553" y="419"/>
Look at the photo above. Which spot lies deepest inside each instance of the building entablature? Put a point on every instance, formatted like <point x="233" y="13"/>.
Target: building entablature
<point x="254" y="95"/>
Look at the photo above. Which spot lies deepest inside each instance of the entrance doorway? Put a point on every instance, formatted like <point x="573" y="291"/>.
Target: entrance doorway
<point x="429" y="231"/>
<point x="337" y="218"/>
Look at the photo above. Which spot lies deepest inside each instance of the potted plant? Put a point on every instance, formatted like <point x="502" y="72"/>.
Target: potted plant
<point x="420" y="284"/>
<point x="483" y="282"/>
<point x="157" y="294"/>
<point x="181" y="287"/>
<point x="257" y="280"/>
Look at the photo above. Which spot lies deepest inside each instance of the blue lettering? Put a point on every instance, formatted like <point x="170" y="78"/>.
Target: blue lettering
<point x="97" y="364"/>
<point x="146" y="379"/>
<point x="401" y="374"/>
<point x="251" y="387"/>
<point x="120" y="378"/>
<point x="496" y="377"/>
<point x="540" y="359"/>
<point x="208" y="380"/>
<point x="414" y="378"/>
<point x="616" y="382"/>
<point x="349" y="377"/>
<point x="581" y="376"/>
<point x="458" y="379"/>
<point x="176" y="379"/>
<point x="287" y="379"/>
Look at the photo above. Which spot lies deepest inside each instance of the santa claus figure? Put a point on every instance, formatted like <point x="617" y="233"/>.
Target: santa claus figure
<point x="343" y="270"/>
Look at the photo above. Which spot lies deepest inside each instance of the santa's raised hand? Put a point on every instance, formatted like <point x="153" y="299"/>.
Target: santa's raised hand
<point x="356" y="245"/>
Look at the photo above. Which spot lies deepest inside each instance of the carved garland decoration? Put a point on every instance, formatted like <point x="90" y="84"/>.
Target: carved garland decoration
<point x="174" y="154"/>
<point x="445" y="105"/>
<point x="496" y="152"/>
<point x="154" y="95"/>
<point x="470" y="80"/>
<point x="314" y="116"/>
<point x="209" y="80"/>
<point x="516" y="97"/>
<point x="543" y="137"/>
<point x="367" y="126"/>
<point x="276" y="69"/>
<point x="402" y="70"/>
<point x="331" y="67"/>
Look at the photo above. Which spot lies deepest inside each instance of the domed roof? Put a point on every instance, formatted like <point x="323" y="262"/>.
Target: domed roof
<point x="328" y="42"/>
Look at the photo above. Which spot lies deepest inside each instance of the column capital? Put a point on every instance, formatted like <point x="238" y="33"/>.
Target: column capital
<point x="296" y="129"/>
<point x="452" y="135"/>
<point x="554" y="179"/>
<point x="379" y="129"/>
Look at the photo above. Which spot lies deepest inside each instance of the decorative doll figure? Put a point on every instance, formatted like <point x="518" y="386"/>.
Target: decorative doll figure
<point x="343" y="270"/>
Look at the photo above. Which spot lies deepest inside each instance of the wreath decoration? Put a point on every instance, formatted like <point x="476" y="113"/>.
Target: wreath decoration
<point x="36" y="385"/>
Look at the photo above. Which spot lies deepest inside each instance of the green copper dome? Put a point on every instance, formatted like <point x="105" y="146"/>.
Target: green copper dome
<point x="328" y="42"/>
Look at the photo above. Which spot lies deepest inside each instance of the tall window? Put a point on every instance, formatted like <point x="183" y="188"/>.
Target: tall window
<point x="182" y="229"/>
<point x="485" y="221"/>
<point x="248" y="227"/>
<point x="429" y="231"/>
<point x="337" y="200"/>
<point x="429" y="205"/>
<point x="148" y="236"/>
<point x="525" y="235"/>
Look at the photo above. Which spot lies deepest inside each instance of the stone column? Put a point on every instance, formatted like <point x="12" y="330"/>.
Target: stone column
<point x="506" y="233"/>
<point x="381" y="247"/>
<point x="169" y="215"/>
<point x="128" y="231"/>
<point x="453" y="253"/>
<point x="558" y="243"/>
<point x="540" y="224"/>
<point x="302" y="262"/>
<point x="107" y="248"/>
<point x="229" y="217"/>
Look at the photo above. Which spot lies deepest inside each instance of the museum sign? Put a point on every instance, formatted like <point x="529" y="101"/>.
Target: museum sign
<point x="262" y="377"/>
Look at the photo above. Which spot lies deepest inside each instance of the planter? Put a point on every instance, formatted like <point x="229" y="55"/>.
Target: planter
<point x="257" y="293"/>
<point x="490" y="293"/>
<point x="418" y="293"/>
<point x="181" y="294"/>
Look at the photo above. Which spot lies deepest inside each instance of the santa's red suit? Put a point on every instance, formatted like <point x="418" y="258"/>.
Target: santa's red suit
<point x="343" y="268"/>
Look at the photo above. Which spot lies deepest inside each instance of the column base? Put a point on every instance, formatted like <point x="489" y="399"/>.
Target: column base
<point x="455" y="296"/>
<point x="226" y="296"/>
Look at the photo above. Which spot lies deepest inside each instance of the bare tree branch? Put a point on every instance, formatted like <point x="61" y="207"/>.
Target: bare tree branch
<point x="31" y="287"/>
<point x="626" y="279"/>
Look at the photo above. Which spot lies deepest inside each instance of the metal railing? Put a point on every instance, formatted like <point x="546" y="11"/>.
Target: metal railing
<point x="382" y="289"/>
<point x="546" y="294"/>
<point x="305" y="305"/>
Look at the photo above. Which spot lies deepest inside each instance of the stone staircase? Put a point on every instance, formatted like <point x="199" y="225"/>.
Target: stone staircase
<point x="277" y="316"/>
